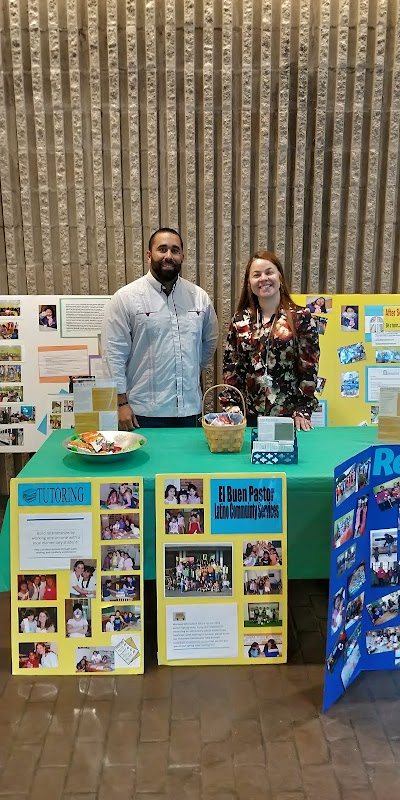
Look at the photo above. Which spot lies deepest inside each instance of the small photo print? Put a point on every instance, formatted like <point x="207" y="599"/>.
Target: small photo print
<point x="382" y="641"/>
<point x="119" y="496"/>
<point x="351" y="353"/>
<point x="38" y="655"/>
<point x="119" y="526"/>
<point x="198" y="569"/>
<point x="262" y="553"/>
<point x="321" y="324"/>
<point x="10" y="373"/>
<point x="356" y="579"/>
<point x="55" y="422"/>
<point x="361" y="516"/>
<point x="9" y="330"/>
<point x="343" y="529"/>
<point x="82" y="578"/>
<point x="385" y="608"/>
<point x="262" y="582"/>
<point x="337" y="617"/>
<point x="346" y="560"/>
<point x="11" y="415"/>
<point x="336" y="652"/>
<point x="78" y="619"/>
<point x="11" y="394"/>
<point x="346" y="484"/>
<point x="256" y="646"/>
<point x="350" y="384"/>
<point x="115" y="619"/>
<point x="354" y="610"/>
<point x="349" y="318"/>
<point x="363" y="473"/>
<point x="11" y="309"/>
<point x="47" y="318"/>
<point x="263" y="615"/>
<point x="318" y="304"/>
<point x="352" y="641"/>
<point x="37" y="620"/>
<point x="183" y="492"/>
<point x="387" y="356"/>
<point x="387" y="495"/>
<point x="350" y="666"/>
<point x="68" y="405"/>
<point x="56" y="406"/>
<point x="384" y="557"/>
<point x="10" y="352"/>
<point x="118" y="558"/>
<point x="188" y="520"/>
<point x="12" y="437"/>
<point x="320" y="385"/>
<point x="88" y="659"/>
<point x="120" y="587"/>
<point x="37" y="587"/>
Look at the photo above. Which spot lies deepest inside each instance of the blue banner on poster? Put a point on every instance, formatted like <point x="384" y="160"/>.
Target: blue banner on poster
<point x="364" y="597"/>
<point x="55" y="494"/>
<point x="240" y="505"/>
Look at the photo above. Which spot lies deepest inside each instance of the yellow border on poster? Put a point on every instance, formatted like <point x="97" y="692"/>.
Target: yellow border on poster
<point x="207" y="541"/>
<point x="67" y="647"/>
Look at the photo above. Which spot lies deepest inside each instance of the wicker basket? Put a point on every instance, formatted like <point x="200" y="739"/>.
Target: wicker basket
<point x="224" y="438"/>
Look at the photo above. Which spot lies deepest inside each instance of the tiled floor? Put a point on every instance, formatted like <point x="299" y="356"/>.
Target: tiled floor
<point x="210" y="733"/>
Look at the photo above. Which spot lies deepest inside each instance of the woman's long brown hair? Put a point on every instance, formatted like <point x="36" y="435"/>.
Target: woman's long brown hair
<point x="249" y="300"/>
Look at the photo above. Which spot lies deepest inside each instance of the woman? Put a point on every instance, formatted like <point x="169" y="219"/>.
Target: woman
<point x="271" y="649"/>
<point x="272" y="350"/>
<point x="318" y="306"/>
<point x="254" y="650"/>
<point x="113" y="500"/>
<point x="44" y="623"/>
<point x="46" y="659"/>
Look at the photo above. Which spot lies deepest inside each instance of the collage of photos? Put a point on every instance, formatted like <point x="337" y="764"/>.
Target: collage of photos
<point x="198" y="569"/>
<point x="10" y="375"/>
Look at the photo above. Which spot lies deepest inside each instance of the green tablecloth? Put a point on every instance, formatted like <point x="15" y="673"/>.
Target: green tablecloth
<point x="185" y="450"/>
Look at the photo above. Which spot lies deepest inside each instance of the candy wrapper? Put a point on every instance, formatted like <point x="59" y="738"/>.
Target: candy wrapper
<point x="224" y="418"/>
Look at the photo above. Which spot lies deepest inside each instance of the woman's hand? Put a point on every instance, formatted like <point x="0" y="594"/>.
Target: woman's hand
<point x="301" y="422"/>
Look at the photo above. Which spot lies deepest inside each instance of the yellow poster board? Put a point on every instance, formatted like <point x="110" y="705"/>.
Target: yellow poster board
<point x="360" y="353"/>
<point x="77" y="576"/>
<point x="221" y="568"/>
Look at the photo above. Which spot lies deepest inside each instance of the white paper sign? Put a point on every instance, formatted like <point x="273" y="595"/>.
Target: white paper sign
<point x="82" y="317"/>
<point x="388" y="402"/>
<point x="379" y="377"/>
<point x="202" y="631"/>
<point x="50" y="541"/>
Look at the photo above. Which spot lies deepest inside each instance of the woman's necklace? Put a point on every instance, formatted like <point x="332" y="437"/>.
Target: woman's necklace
<point x="266" y="379"/>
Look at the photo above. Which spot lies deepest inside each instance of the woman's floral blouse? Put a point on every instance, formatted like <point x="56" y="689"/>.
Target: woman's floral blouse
<point x="292" y="363"/>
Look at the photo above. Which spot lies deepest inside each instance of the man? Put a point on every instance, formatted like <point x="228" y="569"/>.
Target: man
<point x="159" y="332"/>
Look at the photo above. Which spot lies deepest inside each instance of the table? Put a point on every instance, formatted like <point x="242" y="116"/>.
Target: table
<point x="185" y="450"/>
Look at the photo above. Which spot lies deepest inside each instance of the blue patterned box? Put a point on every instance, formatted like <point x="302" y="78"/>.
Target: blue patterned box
<point x="274" y="458"/>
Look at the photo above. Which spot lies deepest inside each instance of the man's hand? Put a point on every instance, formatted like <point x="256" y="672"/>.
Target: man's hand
<point x="126" y="418"/>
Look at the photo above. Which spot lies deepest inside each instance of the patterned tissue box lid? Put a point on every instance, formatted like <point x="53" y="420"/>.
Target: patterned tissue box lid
<point x="274" y="458"/>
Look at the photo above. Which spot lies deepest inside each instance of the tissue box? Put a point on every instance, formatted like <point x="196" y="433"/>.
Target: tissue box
<point x="273" y="457"/>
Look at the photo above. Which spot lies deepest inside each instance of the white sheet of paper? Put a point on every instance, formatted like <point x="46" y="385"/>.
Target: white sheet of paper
<point x="82" y="317"/>
<point x="204" y="631"/>
<point x="49" y="541"/>
<point x="58" y="363"/>
<point x="388" y="401"/>
<point x="386" y="338"/>
<point x="318" y="417"/>
<point x="83" y="397"/>
<point x="379" y="377"/>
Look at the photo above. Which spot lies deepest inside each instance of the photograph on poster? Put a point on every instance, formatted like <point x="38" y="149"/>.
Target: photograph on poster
<point x="9" y="330"/>
<point x="56" y="407"/>
<point x="262" y="581"/>
<point x="374" y="415"/>
<point x="12" y="308"/>
<point x="37" y="620"/>
<point x="356" y="579"/>
<point x="387" y="356"/>
<point x="385" y="608"/>
<point x="10" y="352"/>
<point x="387" y="494"/>
<point x="321" y="324"/>
<point x="343" y="529"/>
<point x="351" y="353"/>
<point x="114" y="558"/>
<point x="37" y="587"/>
<point x="120" y="587"/>
<point x="119" y="526"/>
<point x="47" y="318"/>
<point x="346" y="484"/>
<point x="55" y="422"/>
<point x="12" y="437"/>
<point x="352" y="641"/>
<point x="82" y="581"/>
<point x="354" y="610"/>
<point x="262" y="553"/>
<point x="349" y="318"/>
<point x="78" y="618"/>
<point x="337" y="617"/>
<point x="384" y="562"/>
<point x="88" y="659"/>
<point x="256" y="646"/>
<point x="363" y="473"/>
<point x="119" y="496"/>
<point x="125" y="618"/>
<point x="262" y="615"/>
<point x="337" y="651"/>
<point x="183" y="491"/>
<point x="12" y="415"/>
<point x="320" y="385"/>
<point x="10" y="373"/>
<point x="350" y="666"/>
<point x="68" y="405"/>
<point x="382" y="641"/>
<point x="38" y="655"/>
<point x="319" y="304"/>
<point x="11" y="394"/>
<point x="346" y="560"/>
<point x="193" y="570"/>
<point x="350" y="384"/>
<point x="361" y="516"/>
<point x="188" y="520"/>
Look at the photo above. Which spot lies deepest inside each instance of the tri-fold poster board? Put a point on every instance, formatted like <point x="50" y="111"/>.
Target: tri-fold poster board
<point x="77" y="576"/>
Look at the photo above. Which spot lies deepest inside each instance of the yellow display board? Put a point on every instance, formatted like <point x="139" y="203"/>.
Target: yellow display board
<point x="221" y="568"/>
<point x="77" y="576"/>
<point x="360" y="353"/>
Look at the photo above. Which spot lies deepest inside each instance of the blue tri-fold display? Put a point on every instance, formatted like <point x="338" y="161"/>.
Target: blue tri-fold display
<point x="364" y="596"/>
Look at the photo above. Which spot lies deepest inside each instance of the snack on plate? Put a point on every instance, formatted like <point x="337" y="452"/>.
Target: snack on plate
<point x="224" y="418"/>
<point x="93" y="442"/>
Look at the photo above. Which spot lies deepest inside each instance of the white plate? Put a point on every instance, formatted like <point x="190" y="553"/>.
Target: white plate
<point x="125" y="439"/>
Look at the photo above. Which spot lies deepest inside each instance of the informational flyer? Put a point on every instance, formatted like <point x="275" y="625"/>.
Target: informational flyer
<point x="221" y="568"/>
<point x="364" y="601"/>
<point x="77" y="576"/>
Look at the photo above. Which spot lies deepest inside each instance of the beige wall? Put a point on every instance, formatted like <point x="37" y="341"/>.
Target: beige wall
<point x="242" y="122"/>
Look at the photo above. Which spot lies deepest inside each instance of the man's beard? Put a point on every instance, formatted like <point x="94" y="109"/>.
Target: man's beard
<point x="163" y="273"/>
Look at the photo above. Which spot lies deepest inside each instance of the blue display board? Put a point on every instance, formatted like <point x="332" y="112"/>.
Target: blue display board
<point x="364" y="597"/>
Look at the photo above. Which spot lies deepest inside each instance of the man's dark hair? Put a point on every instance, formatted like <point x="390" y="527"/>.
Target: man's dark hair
<point x="164" y="230"/>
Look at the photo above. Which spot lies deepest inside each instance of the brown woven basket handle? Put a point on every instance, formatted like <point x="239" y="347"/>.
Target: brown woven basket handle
<point x="224" y="386"/>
